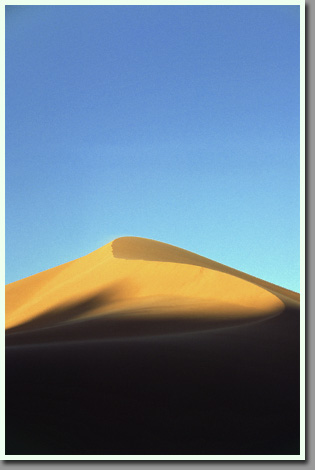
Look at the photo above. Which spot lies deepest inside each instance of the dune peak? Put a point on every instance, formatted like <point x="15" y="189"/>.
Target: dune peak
<point x="139" y="285"/>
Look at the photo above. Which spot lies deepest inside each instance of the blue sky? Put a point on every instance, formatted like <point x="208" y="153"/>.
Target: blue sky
<point x="177" y="123"/>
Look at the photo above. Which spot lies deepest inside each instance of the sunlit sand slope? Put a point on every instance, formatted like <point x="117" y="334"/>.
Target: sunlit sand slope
<point x="135" y="286"/>
<point x="229" y="387"/>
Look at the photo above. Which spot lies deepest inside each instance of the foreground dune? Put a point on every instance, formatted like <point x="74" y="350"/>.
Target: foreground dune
<point x="230" y="386"/>
<point x="138" y="286"/>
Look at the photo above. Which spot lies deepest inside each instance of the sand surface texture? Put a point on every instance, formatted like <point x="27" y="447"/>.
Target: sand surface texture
<point x="142" y="348"/>
<point x="135" y="286"/>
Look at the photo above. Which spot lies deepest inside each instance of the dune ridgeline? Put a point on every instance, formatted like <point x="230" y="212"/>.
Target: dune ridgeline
<point x="142" y="348"/>
<point x="135" y="286"/>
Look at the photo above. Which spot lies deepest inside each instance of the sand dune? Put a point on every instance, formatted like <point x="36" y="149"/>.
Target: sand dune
<point x="135" y="286"/>
<point x="97" y="362"/>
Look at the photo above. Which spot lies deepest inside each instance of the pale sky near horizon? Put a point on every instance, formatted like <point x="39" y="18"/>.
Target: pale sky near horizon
<point x="176" y="123"/>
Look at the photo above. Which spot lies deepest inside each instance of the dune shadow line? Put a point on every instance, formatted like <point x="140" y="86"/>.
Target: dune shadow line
<point x="61" y="314"/>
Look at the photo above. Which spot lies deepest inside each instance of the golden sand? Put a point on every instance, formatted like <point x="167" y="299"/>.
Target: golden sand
<point x="145" y="279"/>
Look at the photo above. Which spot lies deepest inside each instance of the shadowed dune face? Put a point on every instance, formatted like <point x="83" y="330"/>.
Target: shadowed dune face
<point x="205" y="359"/>
<point x="136" y="286"/>
<point x="225" y="391"/>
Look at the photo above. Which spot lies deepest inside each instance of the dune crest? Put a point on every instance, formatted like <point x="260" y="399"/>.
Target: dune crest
<point x="135" y="286"/>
